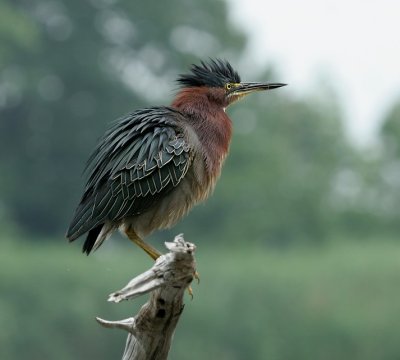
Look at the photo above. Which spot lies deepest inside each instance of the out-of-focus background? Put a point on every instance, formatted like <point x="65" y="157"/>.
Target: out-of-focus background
<point x="298" y="248"/>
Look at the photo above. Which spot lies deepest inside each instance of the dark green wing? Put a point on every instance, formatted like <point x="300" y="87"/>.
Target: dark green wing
<point x="140" y="158"/>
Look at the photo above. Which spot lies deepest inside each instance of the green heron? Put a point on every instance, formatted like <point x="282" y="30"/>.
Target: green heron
<point x="153" y="165"/>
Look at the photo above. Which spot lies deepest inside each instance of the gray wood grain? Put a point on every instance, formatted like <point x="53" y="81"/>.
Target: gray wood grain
<point x="151" y="330"/>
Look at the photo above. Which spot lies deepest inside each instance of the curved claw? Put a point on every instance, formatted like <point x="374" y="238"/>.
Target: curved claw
<point x="190" y="291"/>
<point x="197" y="277"/>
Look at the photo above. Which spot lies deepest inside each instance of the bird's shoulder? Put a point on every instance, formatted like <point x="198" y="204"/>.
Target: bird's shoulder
<point x="144" y="118"/>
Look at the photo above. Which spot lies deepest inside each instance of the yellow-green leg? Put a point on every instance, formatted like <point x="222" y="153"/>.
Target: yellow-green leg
<point x="150" y="250"/>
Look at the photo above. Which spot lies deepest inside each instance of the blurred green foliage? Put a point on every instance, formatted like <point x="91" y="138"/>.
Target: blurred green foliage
<point x="292" y="180"/>
<point x="335" y="302"/>
<point x="71" y="67"/>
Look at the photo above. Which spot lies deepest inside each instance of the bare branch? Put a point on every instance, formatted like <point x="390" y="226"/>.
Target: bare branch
<point x="151" y="330"/>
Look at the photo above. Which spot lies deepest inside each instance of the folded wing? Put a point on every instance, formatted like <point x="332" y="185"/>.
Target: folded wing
<point x="141" y="158"/>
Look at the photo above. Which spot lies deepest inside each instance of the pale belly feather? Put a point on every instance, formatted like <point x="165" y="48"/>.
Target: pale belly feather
<point x="195" y="187"/>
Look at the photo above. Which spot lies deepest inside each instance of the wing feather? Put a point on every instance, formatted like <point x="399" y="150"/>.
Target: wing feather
<point x="140" y="158"/>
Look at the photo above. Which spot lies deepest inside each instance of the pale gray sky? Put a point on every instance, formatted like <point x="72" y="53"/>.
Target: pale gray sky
<point x="354" y="44"/>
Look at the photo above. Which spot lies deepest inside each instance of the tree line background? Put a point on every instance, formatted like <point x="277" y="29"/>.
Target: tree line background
<point x="305" y="224"/>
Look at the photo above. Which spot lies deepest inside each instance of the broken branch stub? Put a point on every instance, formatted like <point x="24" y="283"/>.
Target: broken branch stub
<point x="151" y="330"/>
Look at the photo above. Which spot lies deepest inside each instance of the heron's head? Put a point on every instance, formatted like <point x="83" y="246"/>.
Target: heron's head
<point x="222" y="82"/>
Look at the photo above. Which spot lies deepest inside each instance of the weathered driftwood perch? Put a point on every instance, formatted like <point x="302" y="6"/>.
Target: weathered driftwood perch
<point x="152" y="329"/>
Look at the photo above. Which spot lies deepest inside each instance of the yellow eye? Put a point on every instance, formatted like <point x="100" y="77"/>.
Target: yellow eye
<point x="228" y="86"/>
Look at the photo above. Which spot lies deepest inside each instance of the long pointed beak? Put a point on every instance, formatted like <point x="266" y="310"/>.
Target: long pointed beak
<point x="247" y="88"/>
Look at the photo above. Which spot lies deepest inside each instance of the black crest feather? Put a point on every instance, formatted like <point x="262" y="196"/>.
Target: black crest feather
<point x="215" y="73"/>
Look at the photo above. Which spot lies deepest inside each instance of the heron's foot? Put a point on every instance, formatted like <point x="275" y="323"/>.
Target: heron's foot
<point x="197" y="277"/>
<point x="190" y="292"/>
<point x="189" y="289"/>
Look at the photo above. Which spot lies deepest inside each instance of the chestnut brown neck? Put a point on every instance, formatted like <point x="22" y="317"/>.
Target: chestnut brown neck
<point x="204" y="110"/>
